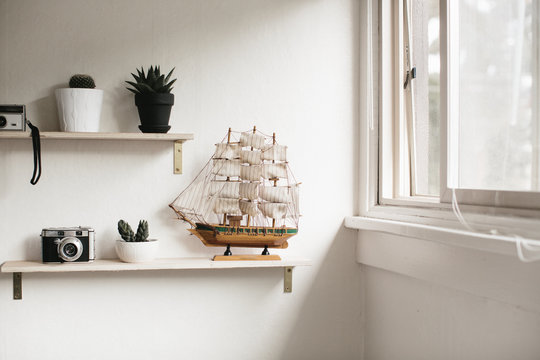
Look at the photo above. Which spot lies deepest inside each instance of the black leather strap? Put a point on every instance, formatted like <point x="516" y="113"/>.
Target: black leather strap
<point x="36" y="143"/>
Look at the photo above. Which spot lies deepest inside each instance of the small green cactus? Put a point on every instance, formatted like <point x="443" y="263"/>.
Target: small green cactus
<point x="82" y="81"/>
<point x="126" y="232"/>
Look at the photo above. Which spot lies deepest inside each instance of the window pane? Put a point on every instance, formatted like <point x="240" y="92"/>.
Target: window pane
<point x="426" y="59"/>
<point x="498" y="95"/>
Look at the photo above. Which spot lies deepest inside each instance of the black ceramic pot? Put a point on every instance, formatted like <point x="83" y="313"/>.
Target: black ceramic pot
<point x="154" y="111"/>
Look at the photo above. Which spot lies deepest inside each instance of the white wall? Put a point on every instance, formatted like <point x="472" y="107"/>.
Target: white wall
<point x="425" y="300"/>
<point x="285" y="66"/>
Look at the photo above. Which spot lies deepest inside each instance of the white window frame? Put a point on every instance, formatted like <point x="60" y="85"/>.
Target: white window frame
<point x="379" y="96"/>
<point x="449" y="95"/>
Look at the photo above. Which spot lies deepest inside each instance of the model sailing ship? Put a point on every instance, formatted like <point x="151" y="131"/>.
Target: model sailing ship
<point x="245" y="196"/>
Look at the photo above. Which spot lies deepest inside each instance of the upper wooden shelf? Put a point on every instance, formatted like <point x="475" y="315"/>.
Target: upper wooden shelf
<point x="98" y="136"/>
<point x="176" y="139"/>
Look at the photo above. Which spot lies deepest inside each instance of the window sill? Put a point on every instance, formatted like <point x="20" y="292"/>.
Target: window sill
<point x="446" y="257"/>
<point x="499" y="244"/>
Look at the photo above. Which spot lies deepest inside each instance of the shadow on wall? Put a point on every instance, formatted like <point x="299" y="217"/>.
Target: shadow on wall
<point x="189" y="243"/>
<point x="329" y="323"/>
<point x="123" y="108"/>
<point x="45" y="110"/>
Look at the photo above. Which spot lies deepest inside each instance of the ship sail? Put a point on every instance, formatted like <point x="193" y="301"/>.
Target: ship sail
<point x="227" y="206"/>
<point x="226" y="189"/>
<point x="278" y="194"/>
<point x="226" y="151"/>
<point x="251" y="173"/>
<point x="275" y="152"/>
<point x="226" y="167"/>
<point x="253" y="140"/>
<point x="249" y="191"/>
<point x="294" y="200"/>
<point x="251" y="157"/>
<point x="277" y="170"/>
<point x="249" y="208"/>
<point x="273" y="210"/>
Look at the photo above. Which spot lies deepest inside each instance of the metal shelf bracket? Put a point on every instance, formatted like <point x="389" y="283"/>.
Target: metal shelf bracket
<point x="178" y="157"/>
<point x="17" y="286"/>
<point x="287" y="279"/>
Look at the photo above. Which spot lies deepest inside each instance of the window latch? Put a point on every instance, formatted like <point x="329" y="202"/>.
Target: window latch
<point x="410" y="74"/>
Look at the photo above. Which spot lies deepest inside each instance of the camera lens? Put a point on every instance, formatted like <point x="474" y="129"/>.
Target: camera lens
<point x="3" y="121"/>
<point x="70" y="250"/>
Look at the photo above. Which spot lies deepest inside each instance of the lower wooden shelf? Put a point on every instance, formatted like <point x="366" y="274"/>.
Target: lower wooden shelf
<point x="20" y="267"/>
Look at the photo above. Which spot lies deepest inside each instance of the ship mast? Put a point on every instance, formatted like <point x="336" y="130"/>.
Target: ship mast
<point x="228" y="178"/>
<point x="275" y="179"/>
<point x="249" y="216"/>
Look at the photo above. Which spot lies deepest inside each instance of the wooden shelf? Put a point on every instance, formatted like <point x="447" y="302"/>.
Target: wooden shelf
<point x="111" y="265"/>
<point x="98" y="136"/>
<point x="177" y="139"/>
<point x="158" y="264"/>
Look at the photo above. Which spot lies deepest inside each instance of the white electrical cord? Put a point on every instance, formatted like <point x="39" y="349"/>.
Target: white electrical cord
<point x="531" y="246"/>
<point x="457" y="212"/>
<point x="533" y="249"/>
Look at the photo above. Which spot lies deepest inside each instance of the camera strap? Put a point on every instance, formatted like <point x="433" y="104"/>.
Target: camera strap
<point x="36" y="144"/>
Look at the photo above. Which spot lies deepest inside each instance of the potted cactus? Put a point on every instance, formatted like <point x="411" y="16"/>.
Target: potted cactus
<point x="153" y="99"/>
<point x="135" y="247"/>
<point x="79" y="106"/>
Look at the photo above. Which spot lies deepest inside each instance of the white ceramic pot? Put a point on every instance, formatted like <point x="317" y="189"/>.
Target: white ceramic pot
<point x="79" y="110"/>
<point x="134" y="252"/>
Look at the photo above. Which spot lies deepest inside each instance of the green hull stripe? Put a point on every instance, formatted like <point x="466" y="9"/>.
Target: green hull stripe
<point x="255" y="230"/>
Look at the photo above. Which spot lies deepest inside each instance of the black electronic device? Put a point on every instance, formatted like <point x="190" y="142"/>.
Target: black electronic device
<point x="68" y="244"/>
<point x="12" y="118"/>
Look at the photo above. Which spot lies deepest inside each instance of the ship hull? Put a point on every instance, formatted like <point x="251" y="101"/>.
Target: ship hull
<point x="243" y="236"/>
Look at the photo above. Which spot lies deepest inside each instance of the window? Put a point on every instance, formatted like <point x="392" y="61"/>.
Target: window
<point x="459" y="103"/>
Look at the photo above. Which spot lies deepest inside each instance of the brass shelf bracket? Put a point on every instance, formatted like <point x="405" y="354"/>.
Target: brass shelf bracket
<point x="17" y="286"/>
<point x="178" y="157"/>
<point x="287" y="279"/>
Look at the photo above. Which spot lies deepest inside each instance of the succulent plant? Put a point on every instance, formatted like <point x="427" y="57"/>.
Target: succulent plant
<point x="151" y="82"/>
<point x="126" y="232"/>
<point x="82" y="81"/>
<point x="142" y="231"/>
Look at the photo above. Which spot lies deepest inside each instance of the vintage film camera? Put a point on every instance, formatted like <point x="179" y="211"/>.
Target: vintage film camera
<point x="68" y="244"/>
<point x="12" y="118"/>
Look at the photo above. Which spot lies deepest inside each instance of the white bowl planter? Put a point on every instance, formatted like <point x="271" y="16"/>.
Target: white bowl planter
<point x="134" y="252"/>
<point x="79" y="110"/>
